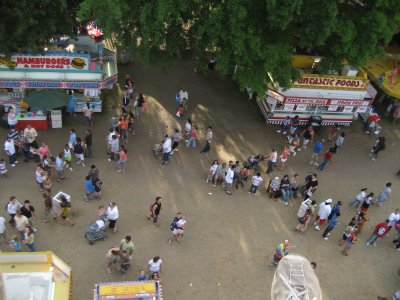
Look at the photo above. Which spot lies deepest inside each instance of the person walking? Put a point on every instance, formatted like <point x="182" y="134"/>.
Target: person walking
<point x="304" y="206"/>
<point x="123" y="158"/>
<point x="332" y="224"/>
<point x="177" y="227"/>
<point x="285" y="189"/>
<point x="255" y="182"/>
<point x="333" y="132"/>
<point x="378" y="147"/>
<point x="230" y="174"/>
<point x="283" y="158"/>
<point x="350" y="239"/>
<point x="370" y="199"/>
<point x="304" y="220"/>
<point x="317" y="151"/>
<point x="280" y="252"/>
<point x="293" y="141"/>
<point x="9" y="148"/>
<point x="393" y="218"/>
<point x="79" y="151"/>
<point x="271" y="159"/>
<point x="335" y="209"/>
<point x="191" y="142"/>
<point x="65" y="212"/>
<point x="48" y="205"/>
<point x="113" y="215"/>
<point x="384" y="195"/>
<point x="12" y="207"/>
<point x="30" y="136"/>
<point x="123" y="129"/>
<point x="176" y="138"/>
<point x="166" y="149"/>
<point x="154" y="265"/>
<point x="323" y="214"/>
<point x="209" y="137"/>
<point x="310" y="186"/>
<point x="89" y="144"/>
<point x="327" y="159"/>
<point x="294" y="125"/>
<point x="359" y="198"/>
<point x="360" y="220"/>
<point x="112" y="258"/>
<point x="285" y="125"/>
<point x="59" y="167"/>
<point x="20" y="222"/>
<point x="339" y="142"/>
<point x="67" y="157"/>
<point x="139" y="105"/>
<point x="308" y="136"/>
<point x="155" y="209"/>
<point x="379" y="232"/>
<point x="72" y="139"/>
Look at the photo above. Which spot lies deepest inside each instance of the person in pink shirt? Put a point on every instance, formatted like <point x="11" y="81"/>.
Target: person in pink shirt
<point x="123" y="157"/>
<point x="44" y="150"/>
<point x="193" y="136"/>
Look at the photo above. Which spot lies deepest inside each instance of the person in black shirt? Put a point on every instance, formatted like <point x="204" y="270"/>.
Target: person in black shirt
<point x="311" y="186"/>
<point x="155" y="209"/>
<point x="79" y="150"/>
<point x="28" y="211"/>
<point x="89" y="143"/>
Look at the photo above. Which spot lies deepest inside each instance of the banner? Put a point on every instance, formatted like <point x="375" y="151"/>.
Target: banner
<point x="47" y="62"/>
<point x="331" y="82"/>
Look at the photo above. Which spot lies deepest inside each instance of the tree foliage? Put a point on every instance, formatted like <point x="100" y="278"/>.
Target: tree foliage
<point x="257" y="36"/>
<point x="29" y="24"/>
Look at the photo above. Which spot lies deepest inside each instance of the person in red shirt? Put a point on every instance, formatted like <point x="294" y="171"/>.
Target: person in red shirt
<point x="327" y="159"/>
<point x="380" y="231"/>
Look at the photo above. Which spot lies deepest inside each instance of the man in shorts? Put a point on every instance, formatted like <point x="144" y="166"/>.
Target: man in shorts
<point x="177" y="228"/>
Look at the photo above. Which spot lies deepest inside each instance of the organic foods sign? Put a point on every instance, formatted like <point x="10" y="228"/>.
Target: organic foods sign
<point x="46" y="62"/>
<point x="331" y="82"/>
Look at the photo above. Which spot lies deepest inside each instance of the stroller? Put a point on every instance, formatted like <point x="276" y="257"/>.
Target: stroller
<point x="29" y="154"/>
<point x="254" y="161"/>
<point x="157" y="150"/>
<point x="97" y="230"/>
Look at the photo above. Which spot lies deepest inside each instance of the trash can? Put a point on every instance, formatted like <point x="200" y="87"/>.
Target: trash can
<point x="56" y="119"/>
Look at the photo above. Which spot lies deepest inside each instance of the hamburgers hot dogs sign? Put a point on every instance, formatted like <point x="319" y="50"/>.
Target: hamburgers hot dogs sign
<point x="45" y="62"/>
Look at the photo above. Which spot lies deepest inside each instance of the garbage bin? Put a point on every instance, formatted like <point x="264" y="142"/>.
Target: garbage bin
<point x="56" y="119"/>
<point x="316" y="122"/>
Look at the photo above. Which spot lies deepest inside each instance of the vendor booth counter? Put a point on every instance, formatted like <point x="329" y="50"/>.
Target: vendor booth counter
<point x="37" y="122"/>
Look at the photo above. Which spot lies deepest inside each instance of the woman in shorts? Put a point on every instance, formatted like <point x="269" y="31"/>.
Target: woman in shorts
<point x="67" y="157"/>
<point x="65" y="212"/>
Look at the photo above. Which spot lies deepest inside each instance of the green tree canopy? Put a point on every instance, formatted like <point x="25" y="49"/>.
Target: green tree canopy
<point x="258" y="36"/>
<point x="30" y="24"/>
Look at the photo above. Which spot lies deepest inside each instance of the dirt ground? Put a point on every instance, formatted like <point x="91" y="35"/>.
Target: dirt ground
<point x="229" y="240"/>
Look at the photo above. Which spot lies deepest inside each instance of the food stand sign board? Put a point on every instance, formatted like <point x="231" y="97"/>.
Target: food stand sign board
<point x="289" y="107"/>
<point x="333" y="107"/>
<point x="301" y="107"/>
<point x="331" y="82"/>
<point x="348" y="109"/>
<point x="126" y="290"/>
<point x="362" y="109"/>
<point x="49" y="62"/>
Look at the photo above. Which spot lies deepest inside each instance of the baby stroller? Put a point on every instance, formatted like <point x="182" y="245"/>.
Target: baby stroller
<point x="157" y="150"/>
<point x="254" y="161"/>
<point x="97" y="230"/>
<point x="29" y="154"/>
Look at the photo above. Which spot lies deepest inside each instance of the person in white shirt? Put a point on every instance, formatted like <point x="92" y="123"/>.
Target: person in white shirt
<point x="12" y="208"/>
<point x="30" y="135"/>
<point x="59" y="167"/>
<point x="183" y="94"/>
<point x="323" y="213"/>
<point x="272" y="158"/>
<point x="393" y="218"/>
<point x="9" y="147"/>
<point x="255" y="182"/>
<point x="212" y="171"/>
<point x="209" y="137"/>
<point x="359" y="198"/>
<point x="3" y="232"/>
<point x="109" y="140"/>
<point x="113" y="215"/>
<point x="306" y="204"/>
<point x="229" y="179"/>
<point x="155" y="265"/>
<point x="167" y="148"/>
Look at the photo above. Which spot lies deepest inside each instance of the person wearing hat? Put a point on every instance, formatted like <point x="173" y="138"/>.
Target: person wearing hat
<point x="323" y="213"/>
<point x="281" y="251"/>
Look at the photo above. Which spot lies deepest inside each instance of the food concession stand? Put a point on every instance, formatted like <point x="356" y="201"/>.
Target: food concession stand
<point x="83" y="66"/>
<point x="130" y="290"/>
<point x="335" y="99"/>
